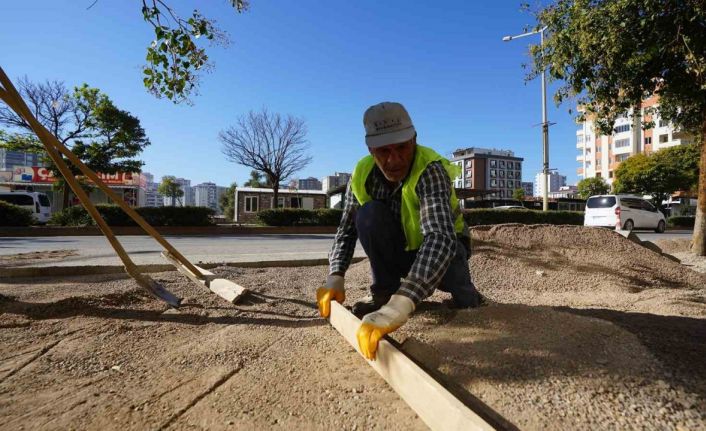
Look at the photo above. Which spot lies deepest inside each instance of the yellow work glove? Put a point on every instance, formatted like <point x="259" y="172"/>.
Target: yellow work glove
<point x="378" y="323"/>
<point x="333" y="289"/>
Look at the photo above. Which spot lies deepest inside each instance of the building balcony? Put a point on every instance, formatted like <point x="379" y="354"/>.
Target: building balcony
<point x="579" y="158"/>
<point x="579" y="171"/>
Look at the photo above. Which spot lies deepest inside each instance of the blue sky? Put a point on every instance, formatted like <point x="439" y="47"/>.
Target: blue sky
<point x="325" y="61"/>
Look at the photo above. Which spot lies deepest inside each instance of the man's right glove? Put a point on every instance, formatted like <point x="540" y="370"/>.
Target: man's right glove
<point x="377" y="324"/>
<point x="333" y="289"/>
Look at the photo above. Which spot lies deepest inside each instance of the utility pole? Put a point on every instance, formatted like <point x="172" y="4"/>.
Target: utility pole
<point x="545" y="122"/>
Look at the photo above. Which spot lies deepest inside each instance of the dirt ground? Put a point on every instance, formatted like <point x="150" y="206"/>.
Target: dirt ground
<point x="583" y="330"/>
<point x="22" y="259"/>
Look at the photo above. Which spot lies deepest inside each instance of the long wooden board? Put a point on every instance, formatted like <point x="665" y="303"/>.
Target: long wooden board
<point x="431" y="400"/>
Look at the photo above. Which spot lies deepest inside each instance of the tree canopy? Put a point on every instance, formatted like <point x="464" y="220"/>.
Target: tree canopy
<point x="660" y="174"/>
<point x="227" y="202"/>
<point x="588" y="187"/>
<point x="105" y="138"/>
<point x="176" y="56"/>
<point x="612" y="54"/>
<point x="170" y="188"/>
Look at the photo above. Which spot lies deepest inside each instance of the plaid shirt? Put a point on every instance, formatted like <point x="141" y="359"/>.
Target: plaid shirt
<point x="437" y="223"/>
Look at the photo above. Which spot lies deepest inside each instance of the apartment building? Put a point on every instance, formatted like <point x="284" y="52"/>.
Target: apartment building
<point x="152" y="196"/>
<point x="332" y="181"/>
<point x="206" y="195"/>
<point x="499" y="172"/>
<point x="310" y="183"/>
<point x="599" y="155"/>
<point x="554" y="179"/>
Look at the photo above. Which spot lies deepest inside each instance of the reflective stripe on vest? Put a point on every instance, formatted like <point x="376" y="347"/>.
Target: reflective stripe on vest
<point x="411" y="221"/>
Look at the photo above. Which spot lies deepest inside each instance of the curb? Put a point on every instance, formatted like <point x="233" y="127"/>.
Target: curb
<point x="31" y="231"/>
<point x="62" y="271"/>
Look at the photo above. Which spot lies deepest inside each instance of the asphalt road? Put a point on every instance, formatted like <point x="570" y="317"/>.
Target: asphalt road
<point x="95" y="250"/>
<point x="670" y="234"/>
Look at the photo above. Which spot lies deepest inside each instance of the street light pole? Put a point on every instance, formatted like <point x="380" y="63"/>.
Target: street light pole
<point x="545" y="123"/>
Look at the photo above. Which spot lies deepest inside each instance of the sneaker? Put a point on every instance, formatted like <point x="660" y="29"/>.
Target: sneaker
<point x="369" y="304"/>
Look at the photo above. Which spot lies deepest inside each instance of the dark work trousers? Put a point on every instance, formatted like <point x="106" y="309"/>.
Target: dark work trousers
<point x="383" y="240"/>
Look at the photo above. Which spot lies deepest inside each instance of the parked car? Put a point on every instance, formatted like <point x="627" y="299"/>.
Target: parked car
<point x="37" y="203"/>
<point x="626" y="211"/>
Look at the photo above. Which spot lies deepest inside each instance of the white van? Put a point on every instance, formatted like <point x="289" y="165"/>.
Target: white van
<point x="625" y="211"/>
<point x="36" y="202"/>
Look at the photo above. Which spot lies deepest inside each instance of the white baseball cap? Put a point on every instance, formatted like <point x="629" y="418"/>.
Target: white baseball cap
<point x="387" y="123"/>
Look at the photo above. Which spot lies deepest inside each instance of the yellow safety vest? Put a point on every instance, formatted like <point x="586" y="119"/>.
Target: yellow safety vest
<point x="411" y="220"/>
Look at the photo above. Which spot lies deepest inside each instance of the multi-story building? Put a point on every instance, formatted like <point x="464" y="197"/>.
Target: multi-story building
<point x="528" y="187"/>
<point x="310" y="183"/>
<point x="498" y="172"/>
<point x="335" y="180"/>
<point x="599" y="155"/>
<point x="12" y="159"/>
<point x="152" y="196"/>
<point x="555" y="181"/>
<point x="206" y="195"/>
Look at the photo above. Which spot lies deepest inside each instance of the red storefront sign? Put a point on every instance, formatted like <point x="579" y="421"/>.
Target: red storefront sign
<point x="45" y="176"/>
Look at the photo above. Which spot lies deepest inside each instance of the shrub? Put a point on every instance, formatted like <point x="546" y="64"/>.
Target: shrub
<point x="483" y="216"/>
<point x="13" y="215"/>
<point x="299" y="217"/>
<point x="155" y="216"/>
<point x="681" y="221"/>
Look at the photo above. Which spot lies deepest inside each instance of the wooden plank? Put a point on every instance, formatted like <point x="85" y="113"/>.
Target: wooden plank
<point x="434" y="404"/>
<point x="226" y="289"/>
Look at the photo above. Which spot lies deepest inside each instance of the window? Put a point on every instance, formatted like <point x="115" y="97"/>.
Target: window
<point x="598" y="175"/>
<point x="251" y="204"/>
<point x="648" y="206"/>
<point x="663" y="139"/>
<point x="648" y="141"/>
<point x="295" y="202"/>
<point x="510" y="174"/>
<point x="502" y="183"/>
<point x="610" y="174"/>
<point x="663" y="123"/>
<point x="502" y="174"/>
<point x="600" y="202"/>
<point x="621" y="157"/>
<point x="18" y="199"/>
<point x="502" y="164"/>
<point x="493" y="163"/>
<point x="493" y="183"/>
<point x="579" y="139"/>
<point x="510" y="184"/>
<point x="510" y="165"/>
<point x="621" y="143"/>
<point x="622" y="128"/>
<point x="280" y="202"/>
<point x="518" y="175"/>
<point x="493" y="173"/>
<point x="588" y="165"/>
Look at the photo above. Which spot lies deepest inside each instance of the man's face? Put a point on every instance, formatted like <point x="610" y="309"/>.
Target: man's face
<point x="395" y="160"/>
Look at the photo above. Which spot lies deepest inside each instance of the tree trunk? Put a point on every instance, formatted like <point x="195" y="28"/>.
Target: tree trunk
<point x="698" y="245"/>
<point x="65" y="195"/>
<point x="275" y="189"/>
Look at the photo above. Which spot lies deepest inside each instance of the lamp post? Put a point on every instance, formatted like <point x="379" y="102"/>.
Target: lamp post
<point x="545" y="124"/>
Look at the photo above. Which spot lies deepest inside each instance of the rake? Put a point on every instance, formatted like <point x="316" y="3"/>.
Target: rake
<point x="226" y="289"/>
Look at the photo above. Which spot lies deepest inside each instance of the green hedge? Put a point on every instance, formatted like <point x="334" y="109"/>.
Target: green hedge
<point x="485" y="216"/>
<point x="299" y="217"/>
<point x="681" y="221"/>
<point x="13" y="215"/>
<point x="155" y="216"/>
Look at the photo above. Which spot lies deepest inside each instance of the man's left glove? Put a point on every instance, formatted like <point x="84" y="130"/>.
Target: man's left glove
<point x="333" y="289"/>
<point x="378" y="323"/>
